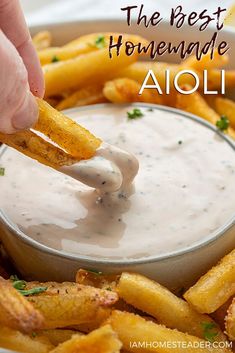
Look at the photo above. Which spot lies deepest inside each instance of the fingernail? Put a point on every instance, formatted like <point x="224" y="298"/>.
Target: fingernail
<point x="27" y="115"/>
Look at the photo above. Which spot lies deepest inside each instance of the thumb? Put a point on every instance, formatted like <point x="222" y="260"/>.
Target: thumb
<point x="18" y="107"/>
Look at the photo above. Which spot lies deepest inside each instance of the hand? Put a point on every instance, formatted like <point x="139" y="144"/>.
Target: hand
<point x="21" y="76"/>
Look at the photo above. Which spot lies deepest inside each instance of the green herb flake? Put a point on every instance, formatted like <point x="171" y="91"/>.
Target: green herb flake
<point x="135" y="114"/>
<point x="55" y="59"/>
<point x="223" y="123"/>
<point x="20" y="286"/>
<point x="209" y="331"/>
<point x="150" y="110"/>
<point x="180" y="142"/>
<point x="95" y="272"/>
<point x="34" y="334"/>
<point x="2" y="171"/>
<point x="100" y="42"/>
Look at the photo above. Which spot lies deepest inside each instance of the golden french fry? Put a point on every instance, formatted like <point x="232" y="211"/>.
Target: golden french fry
<point x="55" y="54"/>
<point x="17" y="341"/>
<point x="215" y="287"/>
<point x="101" y="316"/>
<point x="89" y="68"/>
<point x="33" y="146"/>
<point x="97" y="279"/>
<point x="75" y="139"/>
<point x="194" y="103"/>
<point x="138" y="71"/>
<point x="103" y="340"/>
<point x="67" y="304"/>
<point x="57" y="336"/>
<point x="15" y="311"/>
<point x="125" y="90"/>
<point x="167" y="308"/>
<point x="226" y="107"/>
<point x="230" y="321"/>
<point x="206" y="63"/>
<point x="84" y="96"/>
<point x="83" y="45"/>
<point x="42" y="40"/>
<point x="139" y="335"/>
<point x="99" y="40"/>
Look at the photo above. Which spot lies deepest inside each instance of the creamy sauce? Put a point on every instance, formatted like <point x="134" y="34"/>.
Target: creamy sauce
<point x="183" y="192"/>
<point x="111" y="169"/>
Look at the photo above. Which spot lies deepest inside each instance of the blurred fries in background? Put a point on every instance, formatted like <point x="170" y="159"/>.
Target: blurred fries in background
<point x="81" y="73"/>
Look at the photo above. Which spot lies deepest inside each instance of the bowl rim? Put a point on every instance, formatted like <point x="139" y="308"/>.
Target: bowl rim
<point x="211" y="238"/>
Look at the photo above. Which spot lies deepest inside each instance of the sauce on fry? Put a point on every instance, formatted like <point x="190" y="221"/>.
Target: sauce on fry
<point x="183" y="192"/>
<point x="110" y="170"/>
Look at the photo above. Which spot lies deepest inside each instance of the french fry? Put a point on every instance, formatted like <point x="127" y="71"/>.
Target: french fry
<point x="84" y="96"/>
<point x="67" y="304"/>
<point x="15" y="311"/>
<point x="196" y="104"/>
<point x="42" y="40"/>
<point x="55" y="54"/>
<point x="139" y="335"/>
<point x="33" y="146"/>
<point x="57" y="336"/>
<point x="92" y="40"/>
<point x="83" y="45"/>
<point x="102" y="314"/>
<point x="125" y="90"/>
<point x="168" y="309"/>
<point x="97" y="279"/>
<point x="103" y="340"/>
<point x="215" y="287"/>
<point x="138" y="71"/>
<point x="230" y="321"/>
<point x="226" y="107"/>
<point x="17" y="341"/>
<point x="75" y="139"/>
<point x="88" y="68"/>
<point x="206" y="63"/>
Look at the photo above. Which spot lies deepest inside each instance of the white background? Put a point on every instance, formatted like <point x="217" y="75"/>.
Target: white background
<point x="41" y="11"/>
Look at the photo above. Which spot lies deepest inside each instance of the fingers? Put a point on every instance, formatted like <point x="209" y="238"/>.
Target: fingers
<point x="18" y="108"/>
<point x="13" y="24"/>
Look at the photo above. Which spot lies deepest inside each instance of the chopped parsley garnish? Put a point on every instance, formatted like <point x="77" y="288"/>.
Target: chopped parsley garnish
<point x="135" y="114"/>
<point x="55" y="59"/>
<point x="209" y="331"/>
<point x="2" y="171"/>
<point x="100" y="42"/>
<point x="95" y="272"/>
<point x="180" y="142"/>
<point x="223" y="123"/>
<point x="20" y="286"/>
<point x="150" y="109"/>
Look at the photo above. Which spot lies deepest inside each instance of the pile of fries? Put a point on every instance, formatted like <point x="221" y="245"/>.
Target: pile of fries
<point x="81" y="73"/>
<point x="101" y="313"/>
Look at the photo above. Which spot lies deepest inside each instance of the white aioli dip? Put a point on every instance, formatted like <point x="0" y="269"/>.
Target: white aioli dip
<point x="184" y="190"/>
